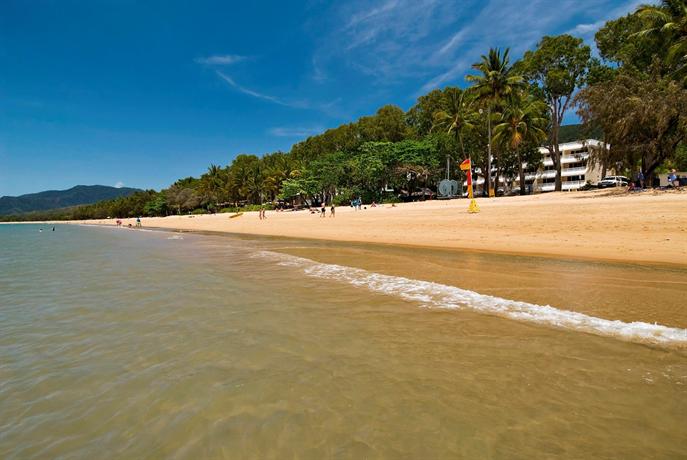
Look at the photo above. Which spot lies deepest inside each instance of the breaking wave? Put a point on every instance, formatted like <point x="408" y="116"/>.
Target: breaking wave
<point x="435" y="295"/>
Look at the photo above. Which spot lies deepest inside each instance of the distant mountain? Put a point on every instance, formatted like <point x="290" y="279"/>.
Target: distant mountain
<point x="54" y="199"/>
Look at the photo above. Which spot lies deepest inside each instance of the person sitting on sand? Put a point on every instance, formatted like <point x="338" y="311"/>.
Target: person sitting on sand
<point x="671" y="178"/>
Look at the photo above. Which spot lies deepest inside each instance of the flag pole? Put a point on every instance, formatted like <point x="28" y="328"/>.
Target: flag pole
<point x="467" y="166"/>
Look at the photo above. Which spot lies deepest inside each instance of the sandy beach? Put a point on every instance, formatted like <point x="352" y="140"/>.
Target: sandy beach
<point x="649" y="227"/>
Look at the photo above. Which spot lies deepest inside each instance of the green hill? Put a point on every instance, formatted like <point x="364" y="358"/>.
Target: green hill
<point x="570" y="133"/>
<point x="55" y="199"/>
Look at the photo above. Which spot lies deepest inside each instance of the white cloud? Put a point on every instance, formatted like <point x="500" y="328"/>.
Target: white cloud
<point x="283" y="131"/>
<point x="438" y="40"/>
<point x="223" y="59"/>
<point x="119" y="184"/>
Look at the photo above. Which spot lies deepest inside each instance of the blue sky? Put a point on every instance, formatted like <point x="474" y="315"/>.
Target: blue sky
<point x="141" y="93"/>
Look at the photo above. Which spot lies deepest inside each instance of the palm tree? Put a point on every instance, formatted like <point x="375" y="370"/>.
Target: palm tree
<point x="457" y="118"/>
<point x="496" y="82"/>
<point x="212" y="185"/>
<point x="669" y="19"/>
<point x="277" y="169"/>
<point x="523" y="123"/>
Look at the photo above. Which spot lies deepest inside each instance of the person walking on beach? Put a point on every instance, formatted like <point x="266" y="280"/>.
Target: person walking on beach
<point x="323" y="211"/>
<point x="138" y="222"/>
<point x="331" y="211"/>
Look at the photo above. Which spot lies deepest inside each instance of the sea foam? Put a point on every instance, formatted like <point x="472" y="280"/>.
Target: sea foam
<point x="435" y="295"/>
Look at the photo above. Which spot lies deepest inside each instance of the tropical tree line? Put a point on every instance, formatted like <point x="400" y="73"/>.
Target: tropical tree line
<point x="634" y="93"/>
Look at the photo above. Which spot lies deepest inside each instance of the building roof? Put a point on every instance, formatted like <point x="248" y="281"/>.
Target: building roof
<point x="575" y="145"/>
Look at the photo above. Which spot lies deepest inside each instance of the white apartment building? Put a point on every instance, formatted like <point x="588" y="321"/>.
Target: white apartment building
<point x="576" y="170"/>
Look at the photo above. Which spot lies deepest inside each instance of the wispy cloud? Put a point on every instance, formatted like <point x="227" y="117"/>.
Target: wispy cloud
<point x="436" y="41"/>
<point x="284" y="131"/>
<point x="259" y="95"/>
<point x="250" y="92"/>
<point x="119" y="184"/>
<point x="588" y="30"/>
<point x="221" y="59"/>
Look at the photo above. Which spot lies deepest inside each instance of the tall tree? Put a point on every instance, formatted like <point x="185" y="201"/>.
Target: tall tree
<point x="457" y="118"/>
<point x="495" y="81"/>
<point x="558" y="67"/>
<point x="213" y="185"/>
<point x="421" y="116"/>
<point x="521" y="130"/>
<point x="644" y="118"/>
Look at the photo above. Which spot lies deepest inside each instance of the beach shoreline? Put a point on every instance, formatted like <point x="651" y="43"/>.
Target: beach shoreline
<point x="647" y="228"/>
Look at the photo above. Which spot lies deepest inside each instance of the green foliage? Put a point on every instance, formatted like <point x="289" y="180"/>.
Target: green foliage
<point x="619" y="41"/>
<point x="496" y="79"/>
<point x="156" y="207"/>
<point x="679" y="160"/>
<point x="558" y="65"/>
<point x="667" y="24"/>
<point x="643" y="118"/>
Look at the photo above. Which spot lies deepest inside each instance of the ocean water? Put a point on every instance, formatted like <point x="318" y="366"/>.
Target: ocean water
<point x="118" y="343"/>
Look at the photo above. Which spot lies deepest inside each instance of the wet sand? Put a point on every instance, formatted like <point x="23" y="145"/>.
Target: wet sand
<point x="649" y="227"/>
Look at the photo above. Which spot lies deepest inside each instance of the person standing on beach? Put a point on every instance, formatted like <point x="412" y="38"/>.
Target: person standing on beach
<point x="331" y="211"/>
<point x="138" y="222"/>
<point x="323" y="211"/>
<point x="640" y="176"/>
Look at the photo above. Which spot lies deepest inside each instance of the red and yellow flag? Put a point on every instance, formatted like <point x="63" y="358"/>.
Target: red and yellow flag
<point x="465" y="165"/>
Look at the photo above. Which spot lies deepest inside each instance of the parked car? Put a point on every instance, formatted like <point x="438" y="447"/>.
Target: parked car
<point x="613" y="181"/>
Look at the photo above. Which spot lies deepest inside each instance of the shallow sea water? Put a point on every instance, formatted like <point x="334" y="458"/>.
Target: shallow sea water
<point x="117" y="343"/>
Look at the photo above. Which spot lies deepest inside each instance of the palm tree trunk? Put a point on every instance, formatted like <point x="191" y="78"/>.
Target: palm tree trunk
<point x="521" y="174"/>
<point x="487" y="180"/>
